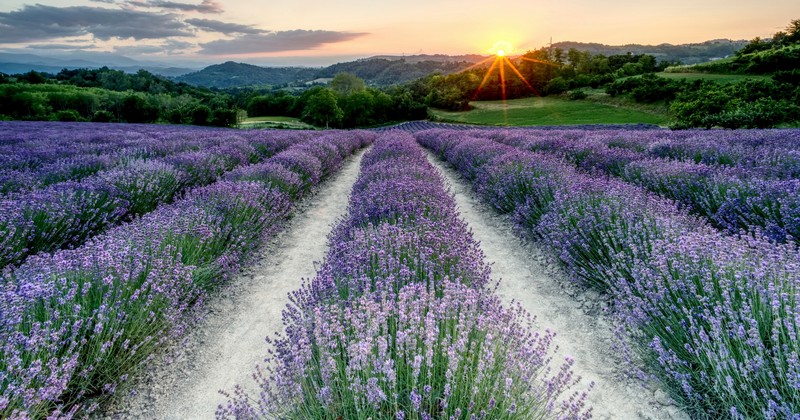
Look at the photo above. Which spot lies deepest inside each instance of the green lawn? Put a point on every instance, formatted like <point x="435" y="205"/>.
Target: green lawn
<point x="549" y="111"/>
<point x="719" y="78"/>
<point x="274" y="122"/>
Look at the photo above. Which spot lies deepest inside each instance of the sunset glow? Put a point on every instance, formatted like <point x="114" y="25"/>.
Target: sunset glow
<point x="311" y="32"/>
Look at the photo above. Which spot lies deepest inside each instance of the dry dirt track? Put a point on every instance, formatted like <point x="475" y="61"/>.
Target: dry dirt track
<point x="224" y="348"/>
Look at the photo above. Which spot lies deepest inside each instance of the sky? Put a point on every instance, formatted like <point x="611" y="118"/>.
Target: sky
<point x="319" y="32"/>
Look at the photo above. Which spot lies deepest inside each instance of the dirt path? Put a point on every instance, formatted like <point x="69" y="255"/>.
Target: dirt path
<point x="542" y="289"/>
<point x="223" y="350"/>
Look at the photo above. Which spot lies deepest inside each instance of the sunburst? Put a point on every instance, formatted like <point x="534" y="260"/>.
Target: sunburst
<point x="500" y="62"/>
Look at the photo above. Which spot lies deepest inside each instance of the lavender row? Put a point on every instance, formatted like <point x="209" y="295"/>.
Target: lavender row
<point x="768" y="154"/>
<point x="714" y="316"/>
<point x="401" y="320"/>
<point x="65" y="214"/>
<point x="75" y="323"/>
<point x="35" y="155"/>
<point x="735" y="200"/>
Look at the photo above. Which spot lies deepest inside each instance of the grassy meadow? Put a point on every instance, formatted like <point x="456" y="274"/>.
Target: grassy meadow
<point x="278" y="122"/>
<point x="539" y="111"/>
<point x="719" y="78"/>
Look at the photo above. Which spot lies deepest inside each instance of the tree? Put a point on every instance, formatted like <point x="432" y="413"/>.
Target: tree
<point x="224" y="117"/>
<point x="793" y="31"/>
<point x="33" y="77"/>
<point x="357" y="108"/>
<point x="135" y="109"/>
<point x="200" y="115"/>
<point x="322" y="109"/>
<point x="346" y="84"/>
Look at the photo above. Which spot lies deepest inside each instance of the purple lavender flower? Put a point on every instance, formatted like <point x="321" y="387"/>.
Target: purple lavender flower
<point x="402" y="301"/>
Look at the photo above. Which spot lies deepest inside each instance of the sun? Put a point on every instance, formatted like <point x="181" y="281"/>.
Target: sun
<point x="501" y="48"/>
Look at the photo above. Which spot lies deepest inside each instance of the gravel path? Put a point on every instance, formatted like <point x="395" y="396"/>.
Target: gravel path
<point x="225" y="347"/>
<point x="575" y="315"/>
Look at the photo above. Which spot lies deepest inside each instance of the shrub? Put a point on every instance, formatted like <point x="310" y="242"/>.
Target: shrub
<point x="200" y="115"/>
<point x="102" y="116"/>
<point x="577" y="95"/>
<point x="67" y="115"/>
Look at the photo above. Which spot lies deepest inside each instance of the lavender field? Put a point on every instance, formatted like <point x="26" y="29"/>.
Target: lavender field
<point x="77" y="320"/>
<point x="691" y="234"/>
<point x="115" y="239"/>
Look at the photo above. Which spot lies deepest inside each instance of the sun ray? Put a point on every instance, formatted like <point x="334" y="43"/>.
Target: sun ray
<point x="538" y="61"/>
<point x="486" y="77"/>
<point x="503" y="59"/>
<point x="480" y="63"/>
<point x="521" y="77"/>
<point x="502" y="76"/>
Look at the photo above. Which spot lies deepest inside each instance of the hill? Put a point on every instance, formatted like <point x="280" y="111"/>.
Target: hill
<point x="383" y="71"/>
<point x="16" y="63"/>
<point x="685" y="53"/>
<point x="231" y="74"/>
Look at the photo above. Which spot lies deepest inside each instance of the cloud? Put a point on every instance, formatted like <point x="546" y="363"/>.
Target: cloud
<point x="169" y="47"/>
<point x="138" y="49"/>
<point x="40" y="22"/>
<point x="223" y="27"/>
<point x="299" y="39"/>
<point x="61" y="46"/>
<point x="207" y="6"/>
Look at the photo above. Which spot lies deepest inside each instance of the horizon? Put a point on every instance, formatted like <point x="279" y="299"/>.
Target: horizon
<point x="310" y="34"/>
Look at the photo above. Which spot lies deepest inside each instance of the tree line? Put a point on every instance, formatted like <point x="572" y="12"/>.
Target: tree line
<point x="749" y="103"/>
<point x="346" y="102"/>
<point x="106" y="95"/>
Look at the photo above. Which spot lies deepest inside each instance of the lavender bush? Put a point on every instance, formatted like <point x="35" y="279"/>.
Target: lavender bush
<point x="144" y="184"/>
<point x="729" y="202"/>
<point x="720" y="318"/>
<point x="272" y="174"/>
<point x="46" y="220"/>
<point x="413" y="355"/>
<point x="307" y="166"/>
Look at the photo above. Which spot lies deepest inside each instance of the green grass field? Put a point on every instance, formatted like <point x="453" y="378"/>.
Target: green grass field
<point x="549" y="111"/>
<point x="719" y="78"/>
<point x="274" y="122"/>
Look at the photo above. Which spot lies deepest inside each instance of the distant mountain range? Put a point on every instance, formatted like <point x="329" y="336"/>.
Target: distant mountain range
<point x="14" y="63"/>
<point x="376" y="71"/>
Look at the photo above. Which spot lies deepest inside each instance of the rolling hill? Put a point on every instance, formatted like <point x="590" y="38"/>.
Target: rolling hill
<point x="685" y="53"/>
<point x="377" y="71"/>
